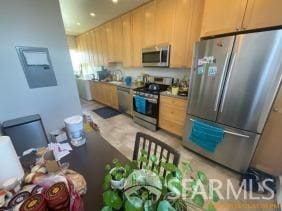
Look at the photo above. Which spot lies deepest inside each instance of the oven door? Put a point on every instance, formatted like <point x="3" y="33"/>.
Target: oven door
<point x="151" y="111"/>
<point x="155" y="57"/>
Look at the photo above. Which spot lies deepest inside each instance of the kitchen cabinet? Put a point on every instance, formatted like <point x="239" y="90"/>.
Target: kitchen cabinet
<point x="118" y="44"/>
<point x="105" y="93"/>
<point x="172" y="113"/>
<point x="268" y="154"/>
<point x="165" y="13"/>
<point x="149" y="24"/>
<point x="104" y="43"/>
<point x="98" y="36"/>
<point x="126" y="40"/>
<point x="222" y="16"/>
<point x="263" y="13"/>
<point x="236" y="15"/>
<point x="137" y="36"/>
<point x="110" y="41"/>
<point x="188" y="16"/>
<point x="94" y="48"/>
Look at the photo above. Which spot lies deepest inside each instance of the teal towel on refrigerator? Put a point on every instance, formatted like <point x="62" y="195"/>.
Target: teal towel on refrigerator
<point x="206" y="136"/>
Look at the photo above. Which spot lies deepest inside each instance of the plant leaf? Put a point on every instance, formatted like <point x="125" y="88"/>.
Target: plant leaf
<point x="165" y="206"/>
<point x="107" y="168"/>
<point x="198" y="200"/>
<point x="133" y="204"/>
<point x="215" y="197"/>
<point x="170" y="167"/>
<point x="210" y="207"/>
<point x="186" y="166"/>
<point x="106" y="208"/>
<point x="153" y="158"/>
<point x="148" y="205"/>
<point x="203" y="178"/>
<point x="112" y="199"/>
<point x="174" y="185"/>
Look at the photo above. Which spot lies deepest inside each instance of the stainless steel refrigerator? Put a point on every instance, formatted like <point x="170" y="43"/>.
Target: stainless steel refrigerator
<point x="234" y="81"/>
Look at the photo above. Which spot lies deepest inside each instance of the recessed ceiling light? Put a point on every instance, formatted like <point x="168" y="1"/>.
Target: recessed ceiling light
<point x="115" y="1"/>
<point x="78" y="24"/>
<point x="92" y="14"/>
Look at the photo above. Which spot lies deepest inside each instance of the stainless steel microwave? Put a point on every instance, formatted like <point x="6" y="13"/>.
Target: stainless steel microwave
<point x="157" y="56"/>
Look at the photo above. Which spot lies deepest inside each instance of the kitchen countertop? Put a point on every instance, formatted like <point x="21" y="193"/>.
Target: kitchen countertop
<point x="117" y="83"/>
<point x="167" y="93"/>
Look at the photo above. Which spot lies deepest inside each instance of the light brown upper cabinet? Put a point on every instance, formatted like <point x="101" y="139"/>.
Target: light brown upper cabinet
<point x="126" y="40"/>
<point x="263" y="13"/>
<point x="137" y="35"/>
<point x="221" y="16"/>
<point x="98" y="37"/>
<point x="94" y="48"/>
<point x="149" y="24"/>
<point x="187" y="26"/>
<point x="117" y="36"/>
<point x="164" y="20"/>
<point x="110" y="41"/>
<point x="104" y="45"/>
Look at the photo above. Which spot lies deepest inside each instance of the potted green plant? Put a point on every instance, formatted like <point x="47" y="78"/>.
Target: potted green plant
<point x="118" y="175"/>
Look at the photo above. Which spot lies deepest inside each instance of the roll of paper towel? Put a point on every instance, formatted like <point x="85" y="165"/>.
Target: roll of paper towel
<point x="10" y="165"/>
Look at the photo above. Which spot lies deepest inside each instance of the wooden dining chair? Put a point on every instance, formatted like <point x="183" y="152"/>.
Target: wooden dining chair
<point x="153" y="146"/>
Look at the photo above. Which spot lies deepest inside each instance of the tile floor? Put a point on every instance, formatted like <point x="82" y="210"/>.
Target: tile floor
<point x="120" y="131"/>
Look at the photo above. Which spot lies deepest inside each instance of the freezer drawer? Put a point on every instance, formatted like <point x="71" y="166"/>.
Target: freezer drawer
<point x="235" y="151"/>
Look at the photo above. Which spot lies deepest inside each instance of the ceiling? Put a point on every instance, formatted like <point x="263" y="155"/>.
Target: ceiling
<point x="77" y="18"/>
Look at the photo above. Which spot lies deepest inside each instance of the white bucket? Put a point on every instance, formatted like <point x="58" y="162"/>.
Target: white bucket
<point x="74" y="126"/>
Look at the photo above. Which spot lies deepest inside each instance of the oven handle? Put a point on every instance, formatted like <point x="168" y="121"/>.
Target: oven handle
<point x="155" y="101"/>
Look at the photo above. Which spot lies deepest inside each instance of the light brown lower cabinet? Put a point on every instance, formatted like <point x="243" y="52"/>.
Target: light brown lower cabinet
<point x="172" y="113"/>
<point x="105" y="93"/>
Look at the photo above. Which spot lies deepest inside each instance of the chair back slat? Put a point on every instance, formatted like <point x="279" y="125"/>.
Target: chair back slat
<point x="145" y="142"/>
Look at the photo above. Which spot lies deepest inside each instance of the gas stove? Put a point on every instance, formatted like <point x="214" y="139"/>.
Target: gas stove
<point x="148" y="98"/>
<point x="150" y="90"/>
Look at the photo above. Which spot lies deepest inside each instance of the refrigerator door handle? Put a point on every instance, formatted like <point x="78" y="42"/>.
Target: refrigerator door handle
<point x="221" y="81"/>
<point x="230" y="132"/>
<point x="227" y="82"/>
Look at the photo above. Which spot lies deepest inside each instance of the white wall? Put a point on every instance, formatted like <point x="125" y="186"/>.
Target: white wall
<point x="71" y="42"/>
<point x="36" y="23"/>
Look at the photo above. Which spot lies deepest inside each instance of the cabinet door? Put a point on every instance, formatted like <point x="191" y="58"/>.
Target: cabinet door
<point x="263" y="13"/>
<point x="172" y="114"/>
<point x="104" y="45"/>
<point x="110" y="41"/>
<point x="268" y="154"/>
<point x="94" y="48"/>
<point x="137" y="36"/>
<point x="150" y="24"/>
<point x="222" y="16"/>
<point x="179" y="44"/>
<point x="118" y="44"/>
<point x="194" y="30"/>
<point x="99" y="46"/>
<point x="126" y="39"/>
<point x="164" y="20"/>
